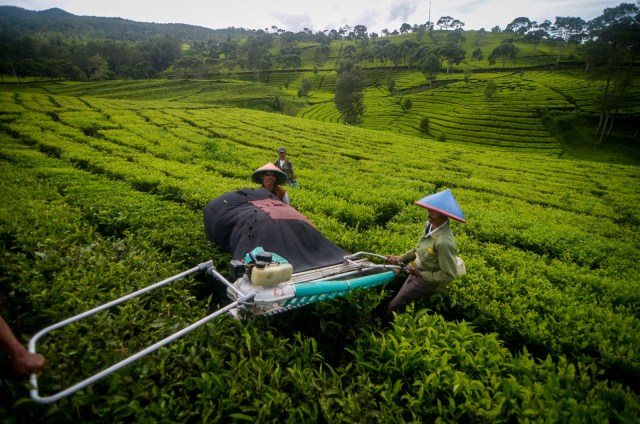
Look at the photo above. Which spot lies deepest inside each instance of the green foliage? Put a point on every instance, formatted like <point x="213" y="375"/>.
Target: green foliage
<point x="490" y="90"/>
<point x="349" y="95"/>
<point x="305" y="87"/>
<point x="121" y="49"/>
<point x="424" y="124"/>
<point x="504" y="51"/>
<point x="406" y="103"/>
<point x="104" y="195"/>
<point x="391" y="85"/>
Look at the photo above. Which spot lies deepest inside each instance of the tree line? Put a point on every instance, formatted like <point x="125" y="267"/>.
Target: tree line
<point x="55" y="45"/>
<point x="139" y="50"/>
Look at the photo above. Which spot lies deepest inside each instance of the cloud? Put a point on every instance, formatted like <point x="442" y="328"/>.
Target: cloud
<point x="294" y="15"/>
<point x="402" y="10"/>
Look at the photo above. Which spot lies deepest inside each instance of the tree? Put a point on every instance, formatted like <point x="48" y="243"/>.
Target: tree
<point x="519" y="26"/>
<point x="457" y="25"/>
<point x="392" y="53"/>
<point x="506" y="50"/>
<point x="453" y="53"/>
<point x="405" y="28"/>
<point x="258" y="56"/>
<point x="229" y="65"/>
<point x="349" y="52"/>
<point x="535" y="36"/>
<point x="187" y="67"/>
<point x="614" y="44"/>
<point x="391" y="85"/>
<point x="456" y="37"/>
<point x="143" y="70"/>
<point x="228" y="48"/>
<point x="349" y="95"/>
<point x="427" y="60"/>
<point x="407" y="50"/>
<point x="445" y="22"/>
<point x="320" y="54"/>
<point x="305" y="87"/>
<point x="567" y="30"/>
<point x="161" y="52"/>
<point x="477" y="54"/>
<point x="406" y="103"/>
<point x="360" y="32"/>
<point x="424" y="124"/>
<point x="290" y="61"/>
<point x="489" y="90"/>
<point x="467" y="75"/>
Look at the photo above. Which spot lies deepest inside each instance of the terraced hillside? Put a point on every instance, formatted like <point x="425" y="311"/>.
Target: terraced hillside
<point x="103" y="190"/>
<point x="459" y="111"/>
<point x="457" y="107"/>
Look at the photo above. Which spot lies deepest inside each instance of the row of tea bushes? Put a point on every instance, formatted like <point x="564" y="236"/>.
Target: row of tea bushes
<point x="423" y="368"/>
<point x="550" y="248"/>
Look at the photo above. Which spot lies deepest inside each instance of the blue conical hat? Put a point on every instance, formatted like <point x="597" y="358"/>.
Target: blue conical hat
<point x="443" y="202"/>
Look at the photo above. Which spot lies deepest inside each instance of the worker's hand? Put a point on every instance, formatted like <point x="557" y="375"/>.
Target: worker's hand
<point x="394" y="259"/>
<point x="412" y="270"/>
<point x="27" y="362"/>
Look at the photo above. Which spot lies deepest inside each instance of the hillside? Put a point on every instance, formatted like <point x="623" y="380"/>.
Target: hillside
<point x="104" y="189"/>
<point x="545" y="112"/>
<point x="20" y="22"/>
<point x="550" y="96"/>
<point x="57" y="44"/>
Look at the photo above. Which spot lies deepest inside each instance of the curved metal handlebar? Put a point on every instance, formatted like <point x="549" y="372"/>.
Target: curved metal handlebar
<point x="35" y="396"/>
<point x="208" y="266"/>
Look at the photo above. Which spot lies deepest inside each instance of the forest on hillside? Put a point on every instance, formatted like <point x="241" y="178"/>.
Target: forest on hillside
<point x="57" y="44"/>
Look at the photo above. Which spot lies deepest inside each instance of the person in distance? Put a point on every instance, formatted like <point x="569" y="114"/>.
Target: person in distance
<point x="436" y="261"/>
<point x="286" y="166"/>
<point x="22" y="360"/>
<point x="271" y="177"/>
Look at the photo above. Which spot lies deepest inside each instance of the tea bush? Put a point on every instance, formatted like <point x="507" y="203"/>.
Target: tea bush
<point x="104" y="195"/>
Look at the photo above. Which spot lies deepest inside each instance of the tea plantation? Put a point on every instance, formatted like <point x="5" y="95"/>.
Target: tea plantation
<point x="103" y="186"/>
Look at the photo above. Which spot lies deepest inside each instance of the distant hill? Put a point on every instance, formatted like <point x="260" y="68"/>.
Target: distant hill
<point x="16" y="21"/>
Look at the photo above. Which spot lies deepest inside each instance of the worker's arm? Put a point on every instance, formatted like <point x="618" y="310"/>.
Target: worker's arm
<point x="23" y="361"/>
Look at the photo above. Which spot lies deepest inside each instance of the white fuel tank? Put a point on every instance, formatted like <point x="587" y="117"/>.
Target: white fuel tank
<point x="271" y="274"/>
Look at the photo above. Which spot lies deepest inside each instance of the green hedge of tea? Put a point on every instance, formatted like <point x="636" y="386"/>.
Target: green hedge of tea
<point x="104" y="196"/>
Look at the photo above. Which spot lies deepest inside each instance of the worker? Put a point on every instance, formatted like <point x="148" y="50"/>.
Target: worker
<point x="434" y="255"/>
<point x="271" y="177"/>
<point x="286" y="166"/>
<point x="22" y="360"/>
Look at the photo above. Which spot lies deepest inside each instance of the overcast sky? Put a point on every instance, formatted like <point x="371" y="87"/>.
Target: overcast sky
<point x="319" y="15"/>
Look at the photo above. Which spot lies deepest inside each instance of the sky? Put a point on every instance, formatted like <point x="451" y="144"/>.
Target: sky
<point x="320" y="15"/>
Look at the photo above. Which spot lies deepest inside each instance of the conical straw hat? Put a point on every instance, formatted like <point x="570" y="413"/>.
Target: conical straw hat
<point x="281" y="177"/>
<point x="444" y="203"/>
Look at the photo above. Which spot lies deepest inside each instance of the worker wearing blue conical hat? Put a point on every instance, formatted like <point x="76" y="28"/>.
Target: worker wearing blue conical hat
<point x="434" y="255"/>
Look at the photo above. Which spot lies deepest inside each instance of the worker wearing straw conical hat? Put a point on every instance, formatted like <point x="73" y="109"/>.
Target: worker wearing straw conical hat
<point x="271" y="178"/>
<point x="434" y="255"/>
